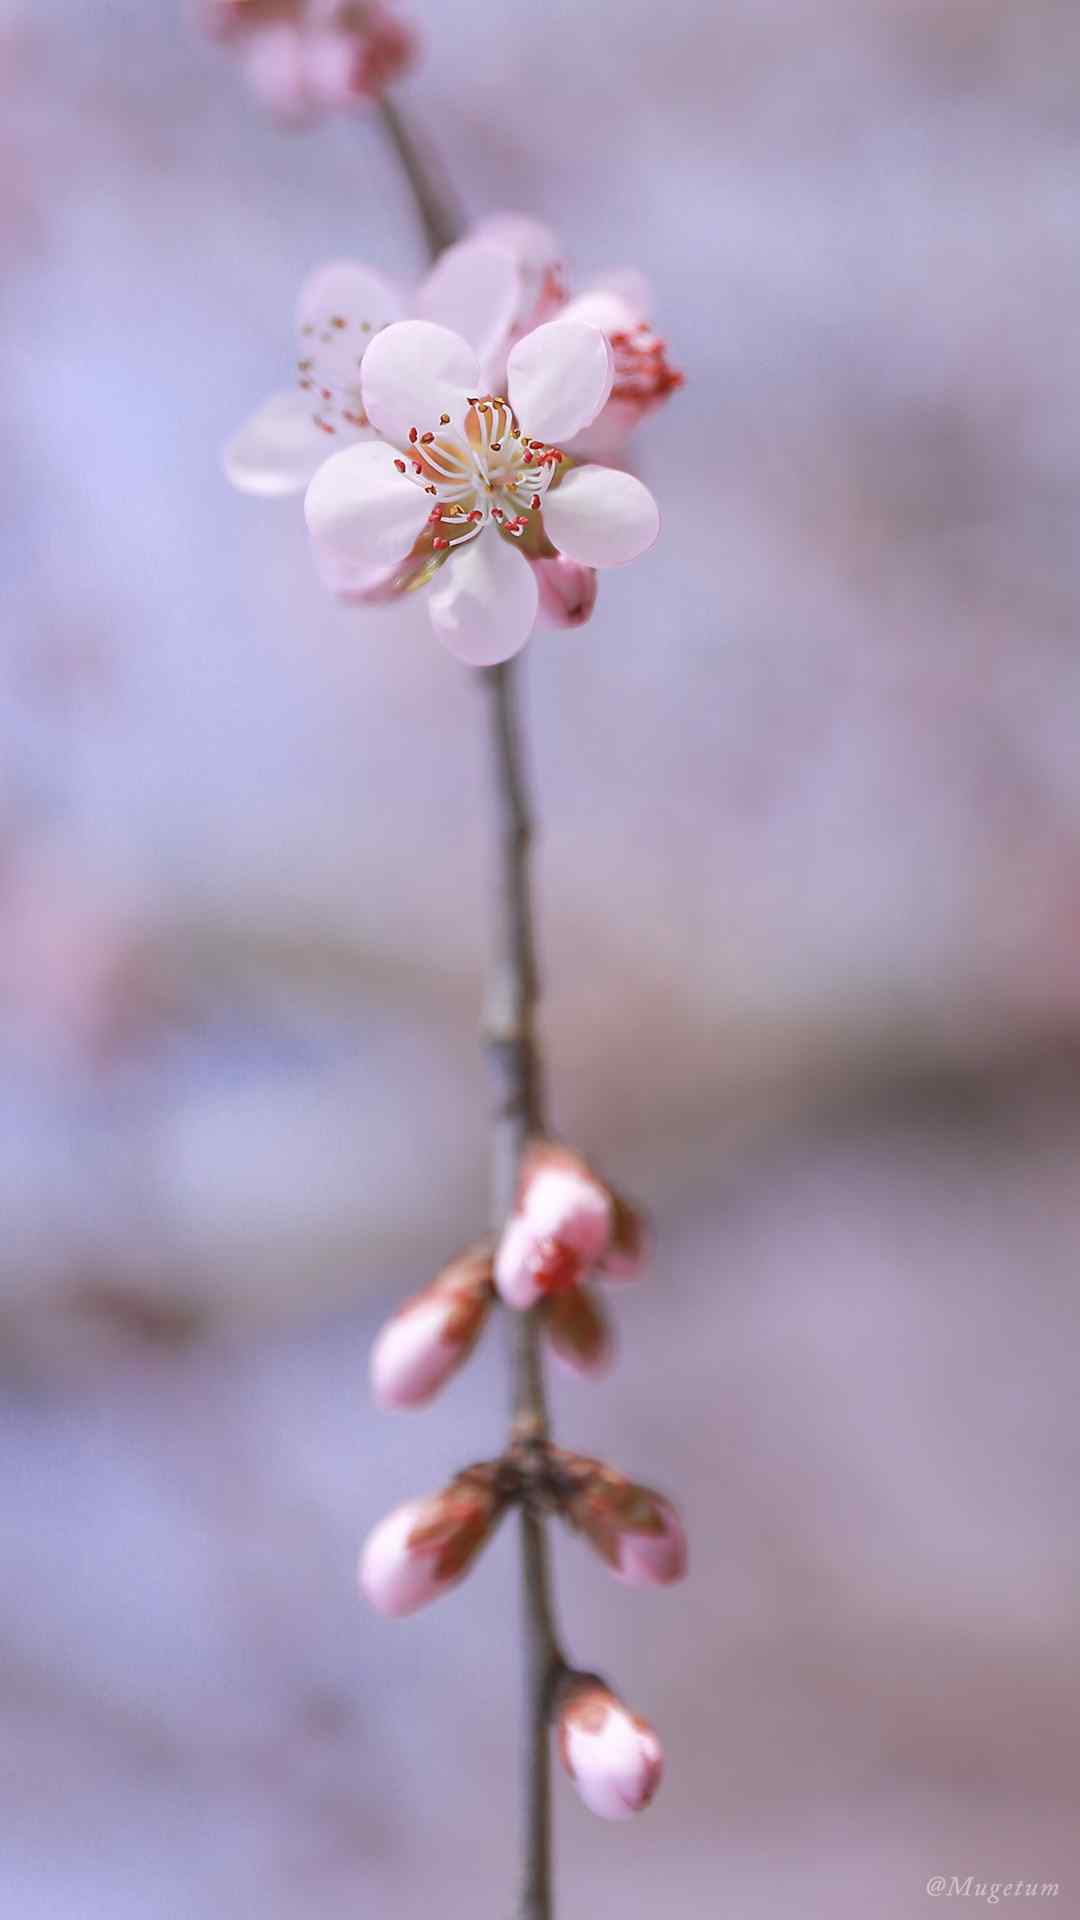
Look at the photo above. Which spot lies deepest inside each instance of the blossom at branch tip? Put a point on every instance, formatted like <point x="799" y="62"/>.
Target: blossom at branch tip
<point x="613" y="1757"/>
<point x="465" y="485"/>
<point x="635" y="1531"/>
<point x="307" y="58"/>
<point x="425" y="1547"/>
<point x="434" y="1333"/>
<point x="567" y="1223"/>
<point x="499" y="283"/>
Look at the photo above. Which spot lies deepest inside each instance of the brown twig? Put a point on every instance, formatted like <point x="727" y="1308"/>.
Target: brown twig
<point x="515" y="1072"/>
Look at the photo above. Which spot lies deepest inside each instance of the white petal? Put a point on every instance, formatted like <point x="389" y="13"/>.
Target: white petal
<point x="601" y="516"/>
<point x="559" y="377"/>
<point x="347" y="290"/>
<point x="352" y="581"/>
<point x="629" y="287"/>
<point x="341" y="308"/>
<point x="362" y="508"/>
<point x="413" y="373"/>
<point x="484" y="606"/>
<point x="534" y="246"/>
<point x="278" y="449"/>
<point x="474" y="288"/>
<point x="604" y="309"/>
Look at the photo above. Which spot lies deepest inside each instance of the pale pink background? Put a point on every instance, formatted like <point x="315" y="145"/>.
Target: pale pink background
<point x="810" y="878"/>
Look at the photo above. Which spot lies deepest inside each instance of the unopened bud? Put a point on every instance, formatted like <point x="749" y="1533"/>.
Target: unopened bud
<point x="614" y="1758"/>
<point x="424" y="1548"/>
<point x="434" y="1333"/>
<point x="561" y="1227"/>
<point x="579" y="1332"/>
<point x="634" y="1530"/>
<point x="567" y="591"/>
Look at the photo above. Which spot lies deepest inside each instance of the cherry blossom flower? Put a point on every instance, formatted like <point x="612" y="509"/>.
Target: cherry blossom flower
<point x="499" y="283"/>
<point x="434" y="1333"/>
<point x="307" y="58"/>
<point x="614" y="1758"/>
<point x="567" y="1222"/>
<point x="469" y="483"/>
<point x="425" y="1547"/>
<point x="635" y="1531"/>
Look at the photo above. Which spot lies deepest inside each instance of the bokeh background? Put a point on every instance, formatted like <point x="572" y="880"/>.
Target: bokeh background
<point x="810" y="889"/>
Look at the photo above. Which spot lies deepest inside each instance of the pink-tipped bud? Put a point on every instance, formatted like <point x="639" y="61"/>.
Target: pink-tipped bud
<point x="634" y="1530"/>
<point x="579" y="1332"/>
<point x="424" y="1548"/>
<point x="613" y="1758"/>
<point x="562" y="1226"/>
<point x="567" y="591"/>
<point x="433" y="1334"/>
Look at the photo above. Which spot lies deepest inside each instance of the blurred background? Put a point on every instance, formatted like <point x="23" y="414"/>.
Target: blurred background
<point x="820" y="1011"/>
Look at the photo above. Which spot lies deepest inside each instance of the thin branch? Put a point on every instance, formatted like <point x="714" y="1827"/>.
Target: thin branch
<point x="440" y="215"/>
<point x="515" y="1072"/>
<point x="516" y="1079"/>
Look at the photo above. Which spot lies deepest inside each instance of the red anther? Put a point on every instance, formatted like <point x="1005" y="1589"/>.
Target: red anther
<point x="413" y="432"/>
<point x="496" y="446"/>
<point x="440" y="545"/>
<point x="535" y="501"/>
<point x="400" y="465"/>
<point x="431" y="489"/>
<point x="337" y="320"/>
<point x="416" y="467"/>
<point x="476" y="514"/>
<point x="324" y="425"/>
<point x="444" y="419"/>
<point x="354" y="419"/>
<point x="426" y="439"/>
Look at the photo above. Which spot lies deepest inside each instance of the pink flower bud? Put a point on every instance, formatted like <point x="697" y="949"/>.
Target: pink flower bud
<point x="634" y="1530"/>
<point x="579" y="1332"/>
<point x="567" y="591"/>
<point x="424" y="1548"/>
<point x="614" y="1759"/>
<point x="433" y="1334"/>
<point x="561" y="1228"/>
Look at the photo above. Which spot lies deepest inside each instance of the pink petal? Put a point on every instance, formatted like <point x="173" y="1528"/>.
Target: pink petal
<point x="567" y="591"/>
<point x="275" y="66"/>
<point x="484" y="604"/>
<point x="413" y="373"/>
<point x="279" y="448"/>
<point x="330" y="63"/>
<point x="396" y="1579"/>
<point x="601" y="516"/>
<point x="475" y="289"/>
<point x="559" y="377"/>
<point x="515" y="1271"/>
<point x="363" y="509"/>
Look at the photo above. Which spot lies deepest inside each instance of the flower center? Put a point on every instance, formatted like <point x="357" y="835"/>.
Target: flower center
<point x="489" y="470"/>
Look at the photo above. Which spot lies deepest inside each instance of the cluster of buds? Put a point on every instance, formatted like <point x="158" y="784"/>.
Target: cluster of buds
<point x="305" y="58"/>
<point x="567" y="1225"/>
